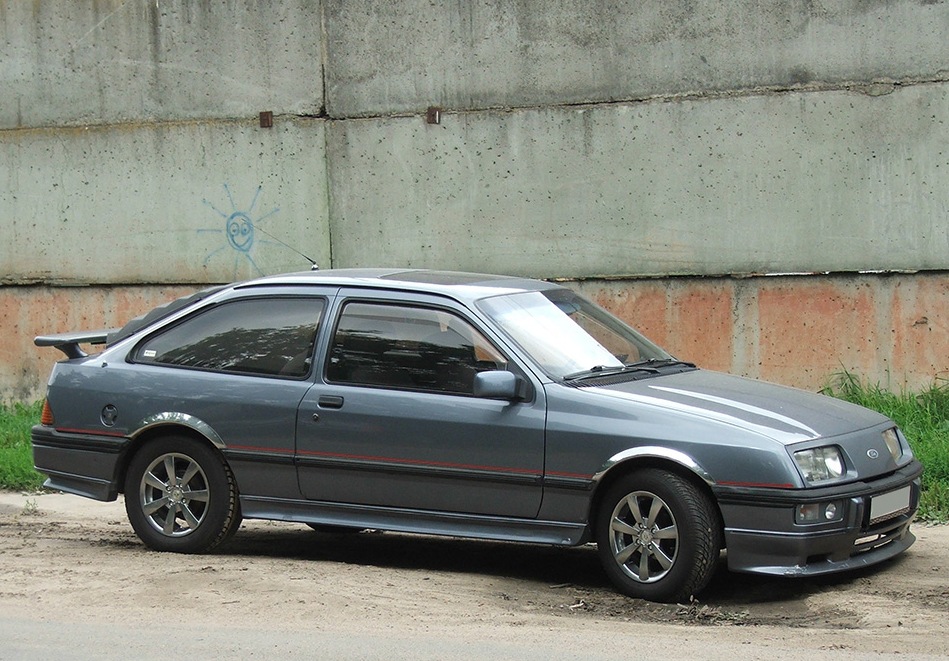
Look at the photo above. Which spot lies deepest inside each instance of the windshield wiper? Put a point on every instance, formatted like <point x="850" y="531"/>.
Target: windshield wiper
<point x="661" y="362"/>
<point x="603" y="370"/>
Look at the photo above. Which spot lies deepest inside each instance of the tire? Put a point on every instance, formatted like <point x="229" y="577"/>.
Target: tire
<point x="181" y="496"/>
<point x="658" y="536"/>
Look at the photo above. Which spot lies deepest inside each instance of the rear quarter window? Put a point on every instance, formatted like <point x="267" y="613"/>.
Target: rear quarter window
<point x="271" y="336"/>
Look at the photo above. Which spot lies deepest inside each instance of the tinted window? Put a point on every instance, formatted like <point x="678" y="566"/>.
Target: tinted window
<point x="256" y="336"/>
<point x="409" y="347"/>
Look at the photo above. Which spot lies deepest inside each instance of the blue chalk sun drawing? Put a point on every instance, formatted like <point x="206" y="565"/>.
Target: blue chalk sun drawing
<point x="240" y="229"/>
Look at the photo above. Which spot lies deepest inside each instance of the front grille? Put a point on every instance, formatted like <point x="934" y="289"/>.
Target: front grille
<point x="876" y="540"/>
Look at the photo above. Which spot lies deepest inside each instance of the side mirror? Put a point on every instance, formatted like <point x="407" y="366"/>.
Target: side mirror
<point x="497" y="384"/>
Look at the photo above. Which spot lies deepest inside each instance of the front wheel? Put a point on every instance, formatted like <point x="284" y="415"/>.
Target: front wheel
<point x="658" y="536"/>
<point x="180" y="496"/>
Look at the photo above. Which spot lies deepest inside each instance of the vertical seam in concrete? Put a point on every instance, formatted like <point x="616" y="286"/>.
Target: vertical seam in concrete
<point x="883" y="300"/>
<point x="324" y="58"/>
<point x="746" y="331"/>
<point x="324" y="118"/>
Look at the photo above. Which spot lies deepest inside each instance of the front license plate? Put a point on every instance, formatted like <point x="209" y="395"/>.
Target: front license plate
<point x="889" y="505"/>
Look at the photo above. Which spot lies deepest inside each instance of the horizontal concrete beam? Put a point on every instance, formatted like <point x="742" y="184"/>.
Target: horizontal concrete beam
<point x="404" y="56"/>
<point x="76" y="63"/>
<point x="794" y="182"/>
<point x="66" y="62"/>
<point x="179" y="203"/>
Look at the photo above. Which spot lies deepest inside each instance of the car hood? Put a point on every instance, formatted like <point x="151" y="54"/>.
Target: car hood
<point x="787" y="415"/>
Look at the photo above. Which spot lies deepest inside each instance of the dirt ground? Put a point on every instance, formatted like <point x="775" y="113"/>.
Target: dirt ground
<point x="65" y="559"/>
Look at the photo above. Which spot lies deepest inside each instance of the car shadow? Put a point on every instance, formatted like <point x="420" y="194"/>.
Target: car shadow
<point x="550" y="566"/>
<point x="535" y="562"/>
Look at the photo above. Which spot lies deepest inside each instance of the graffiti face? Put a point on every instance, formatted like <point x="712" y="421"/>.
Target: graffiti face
<point x="240" y="228"/>
<point x="240" y="231"/>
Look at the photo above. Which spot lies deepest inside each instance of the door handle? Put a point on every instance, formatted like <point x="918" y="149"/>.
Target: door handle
<point x="330" y="402"/>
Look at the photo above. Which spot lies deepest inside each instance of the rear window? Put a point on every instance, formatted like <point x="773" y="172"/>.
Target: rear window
<point x="271" y="336"/>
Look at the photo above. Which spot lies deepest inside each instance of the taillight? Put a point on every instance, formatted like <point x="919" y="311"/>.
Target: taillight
<point x="46" y="418"/>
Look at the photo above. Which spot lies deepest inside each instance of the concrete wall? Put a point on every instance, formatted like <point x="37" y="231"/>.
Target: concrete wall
<point x="118" y="62"/>
<point x="578" y="139"/>
<point x="187" y="202"/>
<point x="399" y="57"/>
<point x="794" y="182"/>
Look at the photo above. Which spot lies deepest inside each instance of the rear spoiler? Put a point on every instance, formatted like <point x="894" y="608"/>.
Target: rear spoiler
<point x="69" y="343"/>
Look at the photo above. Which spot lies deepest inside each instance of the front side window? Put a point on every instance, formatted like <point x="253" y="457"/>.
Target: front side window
<point x="408" y="347"/>
<point x="271" y="336"/>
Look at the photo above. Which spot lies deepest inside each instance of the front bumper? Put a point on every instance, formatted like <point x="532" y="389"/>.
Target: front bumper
<point x="79" y="463"/>
<point x="761" y="535"/>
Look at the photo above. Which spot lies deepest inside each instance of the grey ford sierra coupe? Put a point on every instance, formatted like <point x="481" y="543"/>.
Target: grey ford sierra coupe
<point x="468" y="405"/>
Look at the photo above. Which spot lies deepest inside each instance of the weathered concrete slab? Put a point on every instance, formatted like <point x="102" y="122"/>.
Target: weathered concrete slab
<point x="796" y="182"/>
<point x="404" y="56"/>
<point x="179" y="203"/>
<point x="66" y="62"/>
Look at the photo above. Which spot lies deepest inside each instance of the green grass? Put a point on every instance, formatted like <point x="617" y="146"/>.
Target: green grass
<point x="924" y="419"/>
<point x="16" y="455"/>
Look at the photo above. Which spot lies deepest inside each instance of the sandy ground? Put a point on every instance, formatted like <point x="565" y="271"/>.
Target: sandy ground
<point x="74" y="576"/>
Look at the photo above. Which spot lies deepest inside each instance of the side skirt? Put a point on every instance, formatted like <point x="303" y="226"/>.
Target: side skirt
<point x="531" y="531"/>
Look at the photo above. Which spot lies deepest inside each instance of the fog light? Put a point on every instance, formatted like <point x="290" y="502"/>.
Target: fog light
<point x="818" y="513"/>
<point x="807" y="513"/>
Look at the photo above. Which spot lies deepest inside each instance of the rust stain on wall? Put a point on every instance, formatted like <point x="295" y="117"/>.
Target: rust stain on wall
<point x="800" y="331"/>
<point x="26" y="312"/>
<point x="796" y="330"/>
<point x="811" y="330"/>
<point x="920" y="309"/>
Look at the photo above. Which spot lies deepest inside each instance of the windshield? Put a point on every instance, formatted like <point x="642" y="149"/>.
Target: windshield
<point x="565" y="334"/>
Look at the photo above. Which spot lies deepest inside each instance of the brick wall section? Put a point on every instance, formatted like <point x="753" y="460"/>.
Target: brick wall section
<point x="800" y="331"/>
<point x="26" y="312"/>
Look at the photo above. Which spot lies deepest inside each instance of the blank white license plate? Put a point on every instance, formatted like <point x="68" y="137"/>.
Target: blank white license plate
<point x="888" y="505"/>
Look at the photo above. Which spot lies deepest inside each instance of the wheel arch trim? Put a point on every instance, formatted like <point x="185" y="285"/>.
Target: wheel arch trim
<point x="175" y="418"/>
<point x="654" y="452"/>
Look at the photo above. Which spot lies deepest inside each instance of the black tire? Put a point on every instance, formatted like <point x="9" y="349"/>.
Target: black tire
<point x="658" y="536"/>
<point x="181" y="496"/>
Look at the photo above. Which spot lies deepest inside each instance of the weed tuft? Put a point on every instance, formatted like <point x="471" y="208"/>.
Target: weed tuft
<point x="16" y="453"/>
<point x="924" y="419"/>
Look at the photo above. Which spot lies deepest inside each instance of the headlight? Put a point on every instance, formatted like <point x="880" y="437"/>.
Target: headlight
<point x="820" y="464"/>
<point x="892" y="440"/>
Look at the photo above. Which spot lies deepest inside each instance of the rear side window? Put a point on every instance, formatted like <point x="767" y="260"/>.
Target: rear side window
<point x="409" y="347"/>
<point x="272" y="336"/>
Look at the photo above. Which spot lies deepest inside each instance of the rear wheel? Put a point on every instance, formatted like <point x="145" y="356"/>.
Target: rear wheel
<point x="658" y="536"/>
<point x="180" y="496"/>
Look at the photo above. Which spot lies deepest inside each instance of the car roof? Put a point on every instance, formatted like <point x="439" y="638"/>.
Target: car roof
<point x="466" y="287"/>
<point x="456" y="284"/>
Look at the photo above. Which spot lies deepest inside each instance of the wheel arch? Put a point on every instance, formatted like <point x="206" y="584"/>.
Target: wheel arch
<point x="164" y="424"/>
<point x="646" y="457"/>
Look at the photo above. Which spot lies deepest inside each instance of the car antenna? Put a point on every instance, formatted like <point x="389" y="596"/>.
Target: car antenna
<point x="313" y="265"/>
